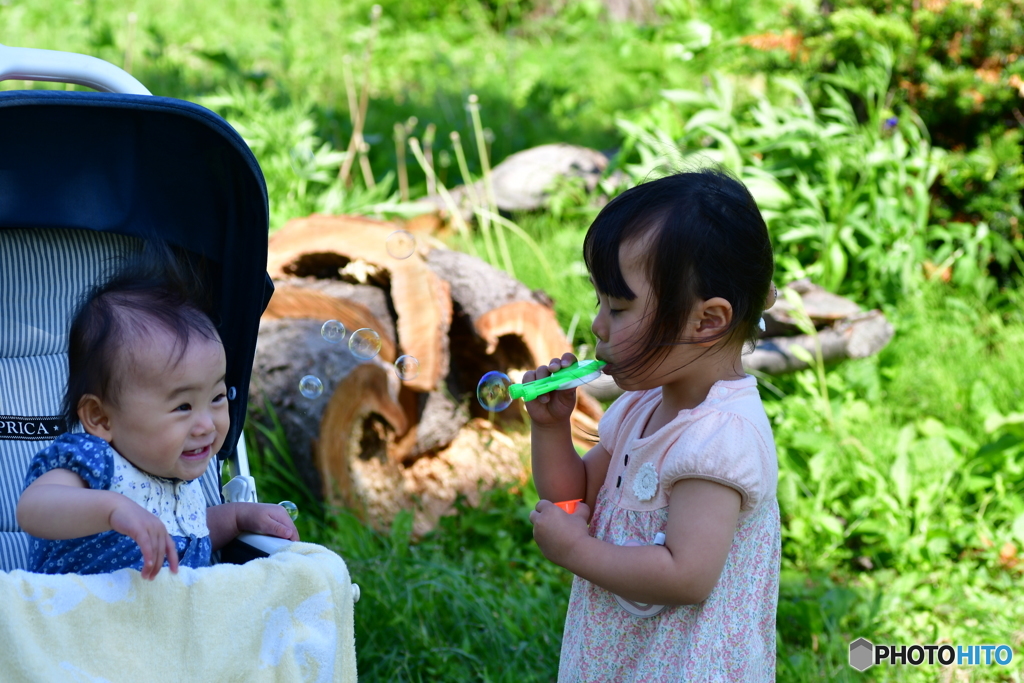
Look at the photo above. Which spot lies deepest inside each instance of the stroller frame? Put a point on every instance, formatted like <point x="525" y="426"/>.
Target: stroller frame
<point x="191" y="181"/>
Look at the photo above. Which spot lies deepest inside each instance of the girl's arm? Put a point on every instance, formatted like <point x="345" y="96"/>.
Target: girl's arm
<point x="702" y="522"/>
<point x="59" y="506"/>
<point x="226" y="521"/>
<point x="558" y="471"/>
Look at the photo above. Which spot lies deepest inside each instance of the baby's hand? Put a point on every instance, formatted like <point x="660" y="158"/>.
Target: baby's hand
<point x="556" y="406"/>
<point x="264" y="518"/>
<point x="556" y="531"/>
<point x="146" y="529"/>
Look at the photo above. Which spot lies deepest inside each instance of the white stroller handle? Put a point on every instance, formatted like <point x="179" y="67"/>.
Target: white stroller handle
<point x="30" y="64"/>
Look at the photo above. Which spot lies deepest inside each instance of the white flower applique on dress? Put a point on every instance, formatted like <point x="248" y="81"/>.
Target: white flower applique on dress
<point x="645" y="484"/>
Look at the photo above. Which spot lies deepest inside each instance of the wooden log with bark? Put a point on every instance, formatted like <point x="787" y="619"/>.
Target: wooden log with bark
<point x="374" y="442"/>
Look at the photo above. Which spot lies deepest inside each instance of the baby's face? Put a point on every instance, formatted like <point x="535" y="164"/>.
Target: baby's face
<point x="170" y="419"/>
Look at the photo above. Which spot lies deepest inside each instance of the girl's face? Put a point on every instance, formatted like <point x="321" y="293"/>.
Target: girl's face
<point x="169" y="419"/>
<point x="620" y="326"/>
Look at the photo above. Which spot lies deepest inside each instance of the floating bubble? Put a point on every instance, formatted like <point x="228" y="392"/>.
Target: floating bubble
<point x="401" y="244"/>
<point x="407" y="367"/>
<point x="311" y="386"/>
<point x="492" y="391"/>
<point x="292" y="508"/>
<point x="364" y="343"/>
<point x="301" y="159"/>
<point x="332" y="331"/>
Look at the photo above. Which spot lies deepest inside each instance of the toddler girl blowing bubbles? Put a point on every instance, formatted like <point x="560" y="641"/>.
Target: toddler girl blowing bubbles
<point x="682" y="267"/>
<point x="146" y="382"/>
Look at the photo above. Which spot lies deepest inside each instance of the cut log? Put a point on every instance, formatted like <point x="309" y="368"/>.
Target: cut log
<point x="476" y="287"/>
<point x="373" y="442"/>
<point x="517" y="327"/>
<point x="371" y="297"/>
<point x="324" y="246"/>
<point x="535" y="327"/>
<point x="480" y="458"/>
<point x="292" y="301"/>
<point x="287" y="351"/>
<point x="531" y="322"/>
<point x="357" y="428"/>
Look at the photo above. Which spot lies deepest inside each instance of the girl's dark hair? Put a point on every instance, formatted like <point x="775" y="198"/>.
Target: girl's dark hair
<point x="704" y="238"/>
<point x="155" y="289"/>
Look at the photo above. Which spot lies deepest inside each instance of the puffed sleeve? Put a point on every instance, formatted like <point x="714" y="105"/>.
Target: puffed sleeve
<point x="727" y="449"/>
<point x="84" y="454"/>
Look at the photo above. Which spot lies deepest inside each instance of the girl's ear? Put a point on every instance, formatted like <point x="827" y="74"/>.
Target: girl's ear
<point x="94" y="417"/>
<point x="773" y="294"/>
<point x="712" y="317"/>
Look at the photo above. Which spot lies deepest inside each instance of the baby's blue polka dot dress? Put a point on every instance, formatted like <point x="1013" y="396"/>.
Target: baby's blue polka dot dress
<point x="179" y="504"/>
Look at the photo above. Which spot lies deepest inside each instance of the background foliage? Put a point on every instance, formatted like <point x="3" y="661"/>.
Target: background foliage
<point x="883" y="141"/>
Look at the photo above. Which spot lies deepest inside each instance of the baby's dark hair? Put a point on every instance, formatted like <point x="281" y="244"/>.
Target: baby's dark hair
<point x="705" y="238"/>
<point x="154" y="290"/>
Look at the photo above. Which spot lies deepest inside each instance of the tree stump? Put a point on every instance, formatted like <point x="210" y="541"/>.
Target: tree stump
<point x="374" y="442"/>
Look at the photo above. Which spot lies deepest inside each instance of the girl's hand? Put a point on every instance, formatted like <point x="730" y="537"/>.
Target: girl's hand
<point x="556" y="406"/>
<point x="146" y="529"/>
<point x="265" y="518"/>
<point x="556" y="531"/>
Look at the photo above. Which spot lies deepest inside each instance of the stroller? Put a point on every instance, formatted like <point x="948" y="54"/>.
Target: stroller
<point x="84" y="178"/>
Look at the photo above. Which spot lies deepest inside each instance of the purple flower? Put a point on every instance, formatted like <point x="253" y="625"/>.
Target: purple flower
<point x="891" y="122"/>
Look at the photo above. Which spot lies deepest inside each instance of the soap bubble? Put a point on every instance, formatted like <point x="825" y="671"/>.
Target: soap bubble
<point x="407" y="367"/>
<point x="311" y="386"/>
<point x="292" y="508"/>
<point x="401" y="244"/>
<point x="364" y="343"/>
<point x="492" y="391"/>
<point x="332" y="331"/>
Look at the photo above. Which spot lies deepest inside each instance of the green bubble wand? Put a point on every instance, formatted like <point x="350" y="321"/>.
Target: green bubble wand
<point x="496" y="391"/>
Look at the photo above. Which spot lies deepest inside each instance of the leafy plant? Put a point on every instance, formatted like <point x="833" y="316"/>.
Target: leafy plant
<point x="848" y="202"/>
<point x="956" y="65"/>
<point x="902" y="502"/>
<point x="982" y="192"/>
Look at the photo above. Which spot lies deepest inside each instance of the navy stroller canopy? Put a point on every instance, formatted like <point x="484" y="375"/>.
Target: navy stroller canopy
<point x="146" y="167"/>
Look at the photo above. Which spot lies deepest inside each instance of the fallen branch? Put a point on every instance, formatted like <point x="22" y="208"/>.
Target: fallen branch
<point x="859" y="336"/>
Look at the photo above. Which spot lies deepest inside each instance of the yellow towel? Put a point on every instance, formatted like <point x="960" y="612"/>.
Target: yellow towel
<point x="287" y="617"/>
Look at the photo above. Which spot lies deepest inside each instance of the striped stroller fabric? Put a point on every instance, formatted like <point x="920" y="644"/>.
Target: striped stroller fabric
<point x="43" y="275"/>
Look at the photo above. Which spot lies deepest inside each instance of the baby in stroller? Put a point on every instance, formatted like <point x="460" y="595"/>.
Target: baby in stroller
<point x="147" y="385"/>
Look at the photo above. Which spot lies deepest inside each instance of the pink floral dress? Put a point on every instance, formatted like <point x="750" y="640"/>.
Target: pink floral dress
<point x="731" y="635"/>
